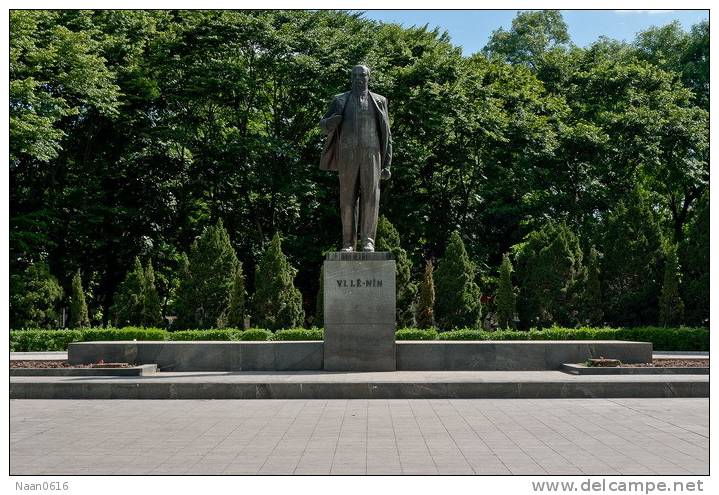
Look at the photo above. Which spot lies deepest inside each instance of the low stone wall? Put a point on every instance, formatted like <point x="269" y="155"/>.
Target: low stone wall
<point x="203" y="355"/>
<point x="355" y="388"/>
<point x="513" y="355"/>
<point x="308" y="355"/>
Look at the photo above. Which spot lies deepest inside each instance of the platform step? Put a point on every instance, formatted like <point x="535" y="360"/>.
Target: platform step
<point x="397" y="385"/>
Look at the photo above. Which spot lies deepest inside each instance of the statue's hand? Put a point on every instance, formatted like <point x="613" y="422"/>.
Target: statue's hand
<point x="385" y="174"/>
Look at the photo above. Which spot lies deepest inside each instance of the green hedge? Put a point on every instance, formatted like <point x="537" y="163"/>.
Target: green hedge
<point x="255" y="334"/>
<point x="126" y="333"/>
<point x="416" y="334"/>
<point x="42" y="340"/>
<point x="224" y="334"/>
<point x="214" y="334"/>
<point x="299" y="334"/>
<point x="664" y="339"/>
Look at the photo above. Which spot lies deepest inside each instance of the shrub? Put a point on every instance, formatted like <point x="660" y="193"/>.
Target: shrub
<point x="125" y="333"/>
<point x="416" y="334"/>
<point x="42" y="340"/>
<point x="215" y="334"/>
<point x="34" y="298"/>
<point x="457" y="302"/>
<point x="207" y="279"/>
<point x="424" y="316"/>
<point x="255" y="334"/>
<point x="57" y="340"/>
<point x="663" y="339"/>
<point x="276" y="302"/>
<point x="299" y="334"/>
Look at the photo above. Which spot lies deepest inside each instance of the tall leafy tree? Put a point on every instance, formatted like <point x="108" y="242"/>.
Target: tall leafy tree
<point x="532" y="34"/>
<point x="684" y="53"/>
<point x="213" y="114"/>
<point x="56" y="73"/>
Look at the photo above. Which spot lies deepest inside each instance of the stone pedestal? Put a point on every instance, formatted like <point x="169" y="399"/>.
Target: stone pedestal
<point x="359" y="303"/>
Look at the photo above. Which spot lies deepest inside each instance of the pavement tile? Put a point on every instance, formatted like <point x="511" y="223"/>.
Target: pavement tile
<point x="448" y="436"/>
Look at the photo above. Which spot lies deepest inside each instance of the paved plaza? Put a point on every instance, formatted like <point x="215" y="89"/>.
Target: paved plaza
<point x="443" y="436"/>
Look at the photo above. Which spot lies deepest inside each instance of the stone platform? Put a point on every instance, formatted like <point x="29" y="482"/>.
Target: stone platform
<point x="359" y="311"/>
<point x="203" y="355"/>
<point x="366" y="385"/>
<point x="487" y="355"/>
<point x="513" y="355"/>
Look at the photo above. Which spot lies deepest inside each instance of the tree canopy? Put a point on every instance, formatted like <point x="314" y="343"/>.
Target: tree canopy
<point x="133" y="131"/>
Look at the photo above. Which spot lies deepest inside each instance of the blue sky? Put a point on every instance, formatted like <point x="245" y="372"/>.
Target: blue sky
<point x="471" y="29"/>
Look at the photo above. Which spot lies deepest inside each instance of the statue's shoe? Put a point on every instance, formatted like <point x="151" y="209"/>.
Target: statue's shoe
<point x="347" y="249"/>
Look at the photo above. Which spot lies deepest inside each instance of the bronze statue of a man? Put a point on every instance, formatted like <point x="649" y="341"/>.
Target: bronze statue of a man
<point x="359" y="147"/>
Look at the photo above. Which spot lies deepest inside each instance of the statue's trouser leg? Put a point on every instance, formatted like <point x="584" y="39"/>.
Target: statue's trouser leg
<point x="369" y="184"/>
<point x="349" y="197"/>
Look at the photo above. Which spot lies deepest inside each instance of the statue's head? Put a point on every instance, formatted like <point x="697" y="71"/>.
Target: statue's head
<point x="360" y="77"/>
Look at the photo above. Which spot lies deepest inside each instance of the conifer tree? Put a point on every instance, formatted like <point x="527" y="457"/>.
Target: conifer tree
<point x="319" y="320"/>
<point x="671" y="307"/>
<point x="128" y="304"/>
<point x="592" y="311"/>
<point x="425" y="305"/>
<point x="236" y="315"/>
<point x="694" y="261"/>
<point x="506" y="298"/>
<point x="276" y="302"/>
<point x="203" y="298"/>
<point x="35" y="296"/>
<point x="151" y="307"/>
<point x="388" y="240"/>
<point x="457" y="301"/>
<point x="78" y="306"/>
<point x="633" y="263"/>
<point x="182" y="303"/>
<point x="549" y="275"/>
